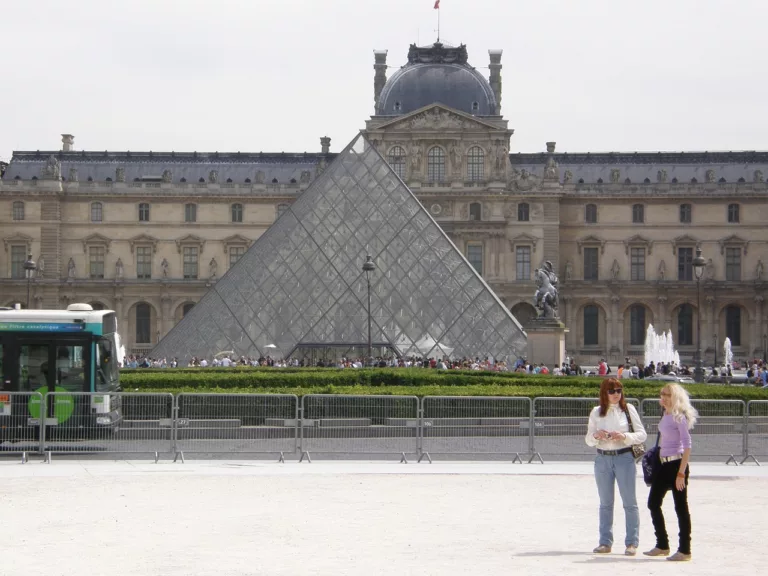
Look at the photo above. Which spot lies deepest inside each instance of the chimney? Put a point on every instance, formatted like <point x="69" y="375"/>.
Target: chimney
<point x="380" y="77"/>
<point x="325" y="145"/>
<point x="495" y="78"/>
<point x="67" y="142"/>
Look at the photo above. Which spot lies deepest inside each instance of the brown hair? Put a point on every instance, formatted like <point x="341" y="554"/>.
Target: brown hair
<point x="605" y="385"/>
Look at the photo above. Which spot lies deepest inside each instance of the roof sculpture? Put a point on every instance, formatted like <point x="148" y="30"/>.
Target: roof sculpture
<point x="302" y="280"/>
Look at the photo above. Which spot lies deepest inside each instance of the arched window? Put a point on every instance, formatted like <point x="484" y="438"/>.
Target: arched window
<point x="237" y="212"/>
<point x="733" y="324"/>
<point x="638" y="214"/>
<point x="143" y="212"/>
<point x="590" y="213"/>
<point x="685" y="325"/>
<point x="591" y="327"/>
<point x="96" y="212"/>
<point x="475" y="164"/>
<point x="475" y="211"/>
<point x="143" y="323"/>
<point x="281" y="208"/>
<point x="733" y="213"/>
<point x="187" y="307"/>
<point x="436" y="165"/>
<point x="685" y="213"/>
<point x="637" y="325"/>
<point x="190" y="212"/>
<point x="523" y="212"/>
<point x="396" y="159"/>
<point x="18" y="210"/>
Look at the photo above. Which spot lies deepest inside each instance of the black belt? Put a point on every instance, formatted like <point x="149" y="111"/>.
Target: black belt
<point x="614" y="452"/>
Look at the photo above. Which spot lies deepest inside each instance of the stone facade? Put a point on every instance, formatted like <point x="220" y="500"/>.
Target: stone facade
<point x="618" y="228"/>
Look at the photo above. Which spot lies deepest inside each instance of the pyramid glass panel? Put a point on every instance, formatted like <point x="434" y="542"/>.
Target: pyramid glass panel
<point x="301" y="283"/>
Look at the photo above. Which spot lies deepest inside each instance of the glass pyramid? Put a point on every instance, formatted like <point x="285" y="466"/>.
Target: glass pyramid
<point x="301" y="282"/>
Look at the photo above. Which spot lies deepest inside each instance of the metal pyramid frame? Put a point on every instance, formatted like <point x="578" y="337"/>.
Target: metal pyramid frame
<point x="302" y="280"/>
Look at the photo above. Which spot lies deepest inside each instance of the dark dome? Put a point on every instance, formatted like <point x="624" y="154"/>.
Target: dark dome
<point x="435" y="74"/>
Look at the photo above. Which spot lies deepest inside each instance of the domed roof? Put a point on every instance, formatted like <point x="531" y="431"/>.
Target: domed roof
<point x="437" y="73"/>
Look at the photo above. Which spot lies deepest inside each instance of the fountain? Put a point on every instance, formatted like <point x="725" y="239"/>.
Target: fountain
<point x="727" y="353"/>
<point x="660" y="348"/>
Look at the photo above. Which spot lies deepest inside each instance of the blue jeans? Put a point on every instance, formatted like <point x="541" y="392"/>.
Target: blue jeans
<point x="621" y="470"/>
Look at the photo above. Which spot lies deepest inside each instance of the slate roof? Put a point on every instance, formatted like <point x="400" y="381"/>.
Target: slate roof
<point x="637" y="166"/>
<point x="191" y="166"/>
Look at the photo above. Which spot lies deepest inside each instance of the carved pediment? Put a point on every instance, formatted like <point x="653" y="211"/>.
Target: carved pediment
<point x="235" y="240"/>
<point x="437" y="117"/>
<point x="684" y="240"/>
<point x="733" y="241"/>
<point x="190" y="240"/>
<point x="638" y="240"/>
<point x="143" y="239"/>
<point x="523" y="240"/>
<point x="96" y="240"/>
<point x="17" y="239"/>
<point x="591" y="241"/>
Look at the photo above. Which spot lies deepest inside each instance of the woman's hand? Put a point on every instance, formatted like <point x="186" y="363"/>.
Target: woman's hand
<point x="680" y="482"/>
<point x="617" y="436"/>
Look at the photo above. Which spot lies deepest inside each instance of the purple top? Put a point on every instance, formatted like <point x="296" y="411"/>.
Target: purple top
<point x="675" y="436"/>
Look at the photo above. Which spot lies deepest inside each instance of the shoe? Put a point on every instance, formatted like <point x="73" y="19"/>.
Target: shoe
<point x="630" y="551"/>
<point x="679" y="557"/>
<point x="657" y="552"/>
<point x="602" y="549"/>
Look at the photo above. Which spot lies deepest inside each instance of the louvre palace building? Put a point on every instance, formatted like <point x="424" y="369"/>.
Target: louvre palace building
<point x="147" y="234"/>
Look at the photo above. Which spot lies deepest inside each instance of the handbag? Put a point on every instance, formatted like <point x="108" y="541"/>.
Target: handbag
<point x="638" y="450"/>
<point x="651" y="461"/>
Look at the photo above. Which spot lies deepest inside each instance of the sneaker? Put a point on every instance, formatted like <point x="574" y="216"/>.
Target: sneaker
<point x="679" y="557"/>
<point x="602" y="549"/>
<point x="657" y="552"/>
<point x="631" y="550"/>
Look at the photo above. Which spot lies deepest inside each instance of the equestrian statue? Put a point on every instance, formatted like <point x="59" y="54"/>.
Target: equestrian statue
<point x="545" y="298"/>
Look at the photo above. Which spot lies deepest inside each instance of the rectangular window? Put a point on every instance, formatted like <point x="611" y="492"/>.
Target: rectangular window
<point x="475" y="257"/>
<point x="638" y="264"/>
<point x="144" y="262"/>
<point x="733" y="264"/>
<point x="190" y="262"/>
<point x="143" y="212"/>
<point x="685" y="263"/>
<point x="96" y="261"/>
<point x="685" y="213"/>
<point x="18" y="257"/>
<point x="523" y="254"/>
<point x="590" y="264"/>
<point x="190" y="213"/>
<point x="235" y="253"/>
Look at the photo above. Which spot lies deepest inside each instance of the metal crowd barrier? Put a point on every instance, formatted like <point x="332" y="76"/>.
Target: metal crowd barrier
<point x="559" y="426"/>
<point x="82" y="423"/>
<point x="475" y="425"/>
<point x="117" y="423"/>
<point x="20" y="423"/>
<point x="756" y="431"/>
<point x="236" y="424"/>
<point x="332" y="423"/>
<point x="720" y="431"/>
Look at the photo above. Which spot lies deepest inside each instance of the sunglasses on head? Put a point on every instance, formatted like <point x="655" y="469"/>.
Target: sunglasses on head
<point x="614" y="390"/>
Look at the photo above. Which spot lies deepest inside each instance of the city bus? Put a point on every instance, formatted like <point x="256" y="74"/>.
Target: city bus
<point x="63" y="351"/>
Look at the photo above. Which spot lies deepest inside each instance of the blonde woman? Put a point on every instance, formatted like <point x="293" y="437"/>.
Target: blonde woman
<point x="614" y="426"/>
<point x="674" y="451"/>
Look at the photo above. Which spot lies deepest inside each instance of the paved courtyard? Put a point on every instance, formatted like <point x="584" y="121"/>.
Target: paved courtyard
<point x="255" y="517"/>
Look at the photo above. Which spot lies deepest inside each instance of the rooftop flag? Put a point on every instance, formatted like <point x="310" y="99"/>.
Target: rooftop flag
<point x="437" y="4"/>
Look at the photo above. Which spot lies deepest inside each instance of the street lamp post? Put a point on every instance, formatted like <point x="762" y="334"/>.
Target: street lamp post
<point x="29" y="271"/>
<point x="698" y="269"/>
<point x="368" y="267"/>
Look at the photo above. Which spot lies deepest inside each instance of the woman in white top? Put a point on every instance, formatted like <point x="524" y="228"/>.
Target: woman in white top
<point x="609" y="432"/>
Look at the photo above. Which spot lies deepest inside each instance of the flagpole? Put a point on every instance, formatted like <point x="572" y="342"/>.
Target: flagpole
<point x="438" y="23"/>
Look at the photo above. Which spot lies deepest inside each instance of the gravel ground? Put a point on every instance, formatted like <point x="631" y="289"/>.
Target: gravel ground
<point x="247" y="518"/>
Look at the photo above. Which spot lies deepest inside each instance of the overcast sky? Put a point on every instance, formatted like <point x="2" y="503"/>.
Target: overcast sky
<point x="276" y="75"/>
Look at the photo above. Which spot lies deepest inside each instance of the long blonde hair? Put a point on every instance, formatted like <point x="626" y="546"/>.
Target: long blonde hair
<point x="681" y="405"/>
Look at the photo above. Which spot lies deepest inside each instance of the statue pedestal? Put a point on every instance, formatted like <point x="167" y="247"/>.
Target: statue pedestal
<point x="546" y="342"/>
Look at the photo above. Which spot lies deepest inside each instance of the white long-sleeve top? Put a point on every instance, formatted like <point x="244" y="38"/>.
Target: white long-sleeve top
<point x="615" y="420"/>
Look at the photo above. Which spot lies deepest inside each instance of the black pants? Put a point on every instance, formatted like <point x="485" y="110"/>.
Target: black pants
<point x="665" y="480"/>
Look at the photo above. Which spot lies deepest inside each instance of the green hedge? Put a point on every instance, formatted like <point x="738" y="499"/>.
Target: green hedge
<point x="416" y="382"/>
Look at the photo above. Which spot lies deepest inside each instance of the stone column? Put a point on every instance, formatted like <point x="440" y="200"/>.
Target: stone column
<point x="609" y="332"/>
<point x="757" y="333"/>
<point x="165" y="325"/>
<point x="616" y="326"/>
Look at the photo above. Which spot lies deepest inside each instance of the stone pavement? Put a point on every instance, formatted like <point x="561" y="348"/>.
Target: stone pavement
<point x="347" y="518"/>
